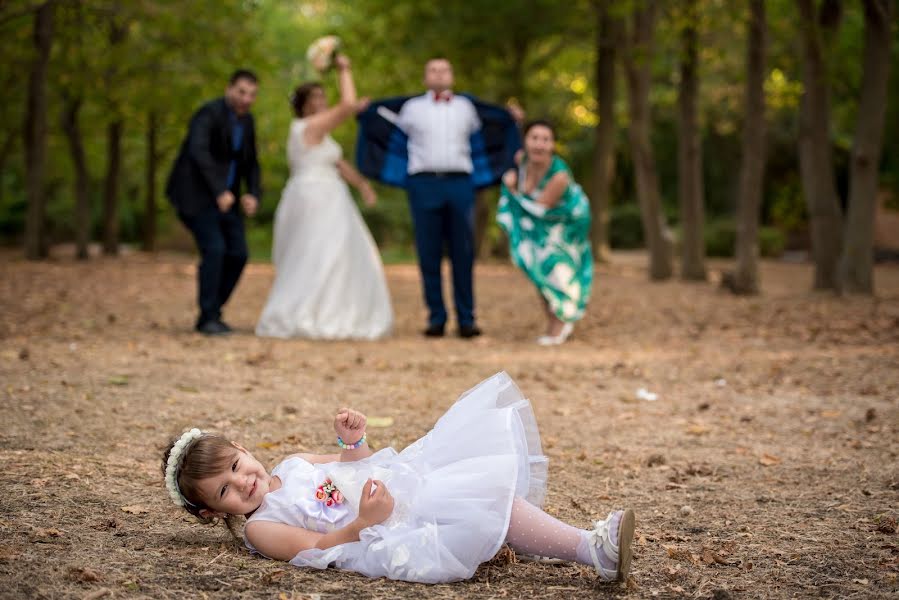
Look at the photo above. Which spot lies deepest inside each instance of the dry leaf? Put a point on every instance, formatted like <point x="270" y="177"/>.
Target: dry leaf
<point x="268" y="445"/>
<point x="769" y="460"/>
<point x="379" y="421"/>
<point x="136" y="509"/>
<point x="697" y="429"/>
<point x="48" y="533"/>
<point x="274" y="576"/>
<point x="84" y="575"/>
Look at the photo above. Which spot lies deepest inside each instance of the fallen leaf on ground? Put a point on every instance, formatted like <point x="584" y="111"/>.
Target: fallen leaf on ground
<point x="380" y="421"/>
<point x="48" y="533"/>
<point x="769" y="460"/>
<point x="84" y="574"/>
<point x="136" y="509"/>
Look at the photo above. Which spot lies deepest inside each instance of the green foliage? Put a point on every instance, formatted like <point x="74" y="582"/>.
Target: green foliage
<point x="721" y="237"/>
<point x="176" y="55"/>
<point x="626" y="227"/>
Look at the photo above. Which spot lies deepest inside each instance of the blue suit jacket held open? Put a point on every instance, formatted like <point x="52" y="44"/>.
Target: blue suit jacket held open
<point x="381" y="152"/>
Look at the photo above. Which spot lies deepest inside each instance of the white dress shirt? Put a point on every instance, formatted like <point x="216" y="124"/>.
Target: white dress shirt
<point x="438" y="133"/>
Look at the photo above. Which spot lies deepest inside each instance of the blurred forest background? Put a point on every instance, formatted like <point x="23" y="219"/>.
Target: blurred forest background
<point x="698" y="127"/>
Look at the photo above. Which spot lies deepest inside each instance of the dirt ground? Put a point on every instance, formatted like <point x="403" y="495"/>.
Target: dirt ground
<point x="766" y="467"/>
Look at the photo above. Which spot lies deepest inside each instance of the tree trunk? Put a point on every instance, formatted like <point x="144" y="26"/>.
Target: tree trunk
<point x="79" y="161"/>
<point x="745" y="279"/>
<point x="815" y="154"/>
<point x="485" y="198"/>
<point x="35" y="132"/>
<point x="5" y="151"/>
<point x="689" y="153"/>
<point x="111" y="188"/>
<point x="149" y="230"/>
<point x="117" y="33"/>
<point x="638" y="68"/>
<point x="608" y="36"/>
<point x="856" y="273"/>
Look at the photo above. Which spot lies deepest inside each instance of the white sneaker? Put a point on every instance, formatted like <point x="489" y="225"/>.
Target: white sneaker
<point x="555" y="340"/>
<point x="612" y="551"/>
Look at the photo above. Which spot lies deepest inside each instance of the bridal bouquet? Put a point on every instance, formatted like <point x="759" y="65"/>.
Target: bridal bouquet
<point x="322" y="51"/>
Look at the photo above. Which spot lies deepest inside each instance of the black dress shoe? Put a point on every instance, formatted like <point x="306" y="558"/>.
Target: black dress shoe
<point x="227" y="327"/>
<point x="434" y="330"/>
<point x="469" y="331"/>
<point x="213" y="327"/>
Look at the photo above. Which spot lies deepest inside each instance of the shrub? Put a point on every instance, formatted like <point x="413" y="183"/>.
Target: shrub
<point x="721" y="238"/>
<point x="625" y="227"/>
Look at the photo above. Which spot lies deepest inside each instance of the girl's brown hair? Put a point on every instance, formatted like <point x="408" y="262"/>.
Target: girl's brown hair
<point x="206" y="456"/>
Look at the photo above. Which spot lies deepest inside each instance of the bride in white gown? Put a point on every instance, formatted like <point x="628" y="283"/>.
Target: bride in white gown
<point x="329" y="280"/>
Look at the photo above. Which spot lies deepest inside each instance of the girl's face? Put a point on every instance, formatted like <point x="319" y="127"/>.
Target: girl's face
<point x="539" y="143"/>
<point x="239" y="488"/>
<point x="315" y="102"/>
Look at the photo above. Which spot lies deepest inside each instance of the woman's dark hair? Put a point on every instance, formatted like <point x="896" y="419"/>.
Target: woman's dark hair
<point x="300" y="95"/>
<point x="539" y="123"/>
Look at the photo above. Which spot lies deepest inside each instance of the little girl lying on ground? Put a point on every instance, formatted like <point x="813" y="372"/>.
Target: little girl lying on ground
<point x="431" y="513"/>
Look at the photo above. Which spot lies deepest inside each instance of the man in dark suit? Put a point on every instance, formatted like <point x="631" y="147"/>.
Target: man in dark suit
<point x="218" y="152"/>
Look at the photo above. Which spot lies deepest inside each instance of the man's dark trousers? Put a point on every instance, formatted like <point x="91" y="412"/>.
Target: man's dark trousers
<point x="442" y="207"/>
<point x="223" y="251"/>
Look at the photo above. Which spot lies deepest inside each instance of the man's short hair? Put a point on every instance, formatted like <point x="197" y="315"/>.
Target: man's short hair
<point x="243" y="74"/>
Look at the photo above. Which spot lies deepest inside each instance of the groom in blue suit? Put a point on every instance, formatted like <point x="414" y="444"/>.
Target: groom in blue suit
<point x="441" y="147"/>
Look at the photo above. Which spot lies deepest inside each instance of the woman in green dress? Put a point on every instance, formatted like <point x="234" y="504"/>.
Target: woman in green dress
<point x="546" y="216"/>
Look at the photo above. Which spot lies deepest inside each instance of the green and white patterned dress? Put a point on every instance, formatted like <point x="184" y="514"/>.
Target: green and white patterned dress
<point x="551" y="246"/>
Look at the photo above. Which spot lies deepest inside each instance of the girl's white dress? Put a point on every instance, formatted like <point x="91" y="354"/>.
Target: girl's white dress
<point x="453" y="492"/>
<point x="329" y="280"/>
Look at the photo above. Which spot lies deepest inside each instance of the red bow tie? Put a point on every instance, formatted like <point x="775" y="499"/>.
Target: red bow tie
<point x="443" y="96"/>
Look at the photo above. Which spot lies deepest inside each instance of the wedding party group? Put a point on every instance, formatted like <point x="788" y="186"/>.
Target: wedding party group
<point x="435" y="511"/>
<point x="440" y="146"/>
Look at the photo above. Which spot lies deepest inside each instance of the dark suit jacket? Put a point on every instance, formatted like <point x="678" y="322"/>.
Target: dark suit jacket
<point x="200" y="172"/>
<point x="381" y="146"/>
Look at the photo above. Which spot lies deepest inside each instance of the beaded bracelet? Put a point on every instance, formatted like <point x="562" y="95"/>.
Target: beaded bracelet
<point x="346" y="446"/>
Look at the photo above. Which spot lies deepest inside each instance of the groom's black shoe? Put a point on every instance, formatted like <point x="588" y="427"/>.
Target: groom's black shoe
<point x="213" y="327"/>
<point x="469" y="331"/>
<point x="434" y="330"/>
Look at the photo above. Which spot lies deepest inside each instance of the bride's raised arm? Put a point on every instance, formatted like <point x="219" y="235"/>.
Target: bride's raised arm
<point x="319" y="124"/>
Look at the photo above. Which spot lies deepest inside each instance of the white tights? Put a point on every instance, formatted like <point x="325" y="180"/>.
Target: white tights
<point x="532" y="531"/>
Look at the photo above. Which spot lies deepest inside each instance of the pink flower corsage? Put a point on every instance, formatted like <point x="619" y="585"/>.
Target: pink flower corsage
<point x="328" y="494"/>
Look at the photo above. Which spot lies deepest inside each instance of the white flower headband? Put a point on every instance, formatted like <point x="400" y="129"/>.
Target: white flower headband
<point x="172" y="464"/>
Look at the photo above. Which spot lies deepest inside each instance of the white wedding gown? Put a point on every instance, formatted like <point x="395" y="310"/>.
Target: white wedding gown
<point x="329" y="280"/>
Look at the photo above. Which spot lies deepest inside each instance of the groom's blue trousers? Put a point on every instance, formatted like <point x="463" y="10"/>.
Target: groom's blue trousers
<point x="442" y="207"/>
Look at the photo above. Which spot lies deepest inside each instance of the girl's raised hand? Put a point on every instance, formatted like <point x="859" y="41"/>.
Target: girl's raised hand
<point x="375" y="507"/>
<point x="349" y="425"/>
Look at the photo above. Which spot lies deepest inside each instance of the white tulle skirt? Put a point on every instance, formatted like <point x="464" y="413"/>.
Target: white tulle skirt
<point x="453" y="490"/>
